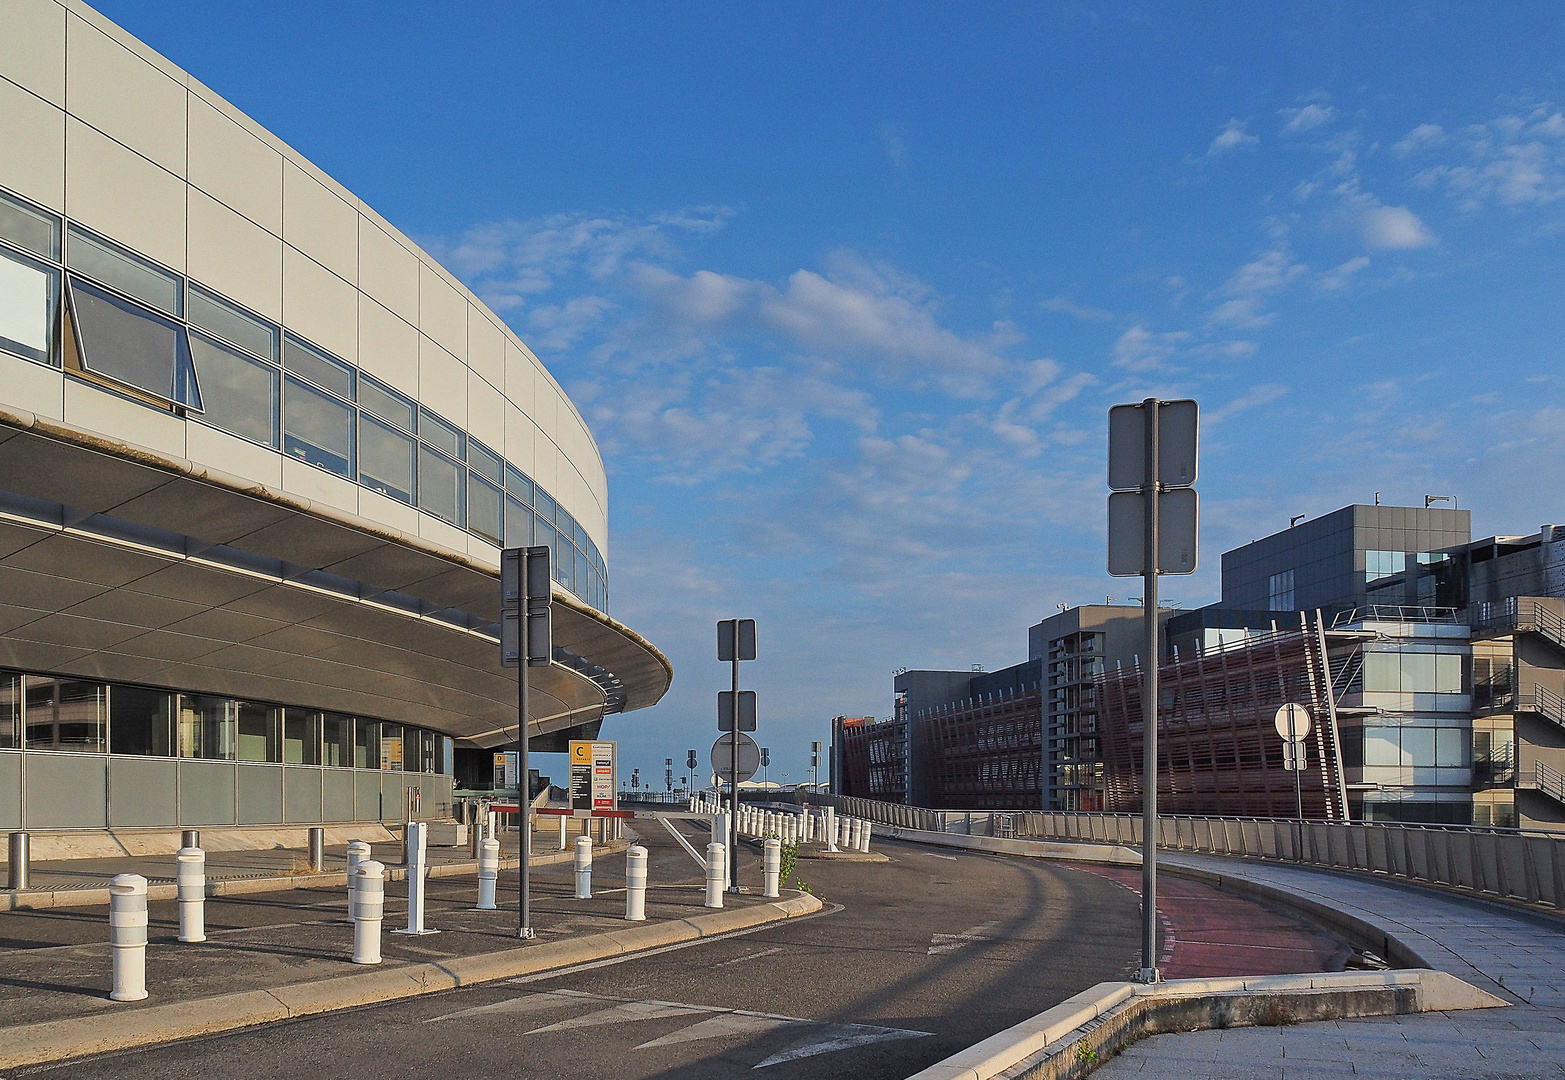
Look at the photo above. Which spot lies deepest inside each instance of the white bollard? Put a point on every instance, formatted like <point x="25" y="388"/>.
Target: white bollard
<point x="829" y="827"/>
<point x="128" y="936"/>
<point x="490" y="820"/>
<point x="358" y="853"/>
<point x="190" y="878"/>
<point x="844" y="832"/>
<point x="564" y="843"/>
<point x="636" y="884"/>
<point x="805" y="820"/>
<point x="418" y="865"/>
<point x="855" y="830"/>
<point x="584" y="868"/>
<point x="716" y="874"/>
<point x="864" y="838"/>
<point x="771" y="866"/>
<point x="488" y="873"/>
<point x="369" y="908"/>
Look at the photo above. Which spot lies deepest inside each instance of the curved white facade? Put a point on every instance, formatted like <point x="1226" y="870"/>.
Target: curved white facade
<point x="253" y="441"/>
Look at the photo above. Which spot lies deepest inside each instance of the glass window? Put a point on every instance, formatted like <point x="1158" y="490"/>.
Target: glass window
<point x="129" y="273"/>
<point x="580" y="577"/>
<point x="441" y="486"/>
<point x="29" y="306"/>
<point x="317" y="428"/>
<point x="564" y="561"/>
<point x="239" y="394"/>
<point x="427" y="743"/>
<point x="336" y="739"/>
<point x="484" y="461"/>
<point x="385" y="403"/>
<point x="301" y="737"/>
<point x="411" y="758"/>
<point x="132" y="346"/>
<point x="1380" y="747"/>
<point x="1418" y="747"/>
<point x="444" y="765"/>
<point x="366" y="744"/>
<point x="580" y="537"/>
<point x="259" y="739"/>
<point x="232" y="324"/>
<point x="386" y="459"/>
<point x="10" y="709"/>
<point x="391" y="747"/>
<point x="518" y="524"/>
<point x="1280" y="591"/>
<point x="141" y="721"/>
<point x="1379" y="564"/>
<point x="518" y="484"/>
<point x="483" y="508"/>
<point x="564" y="523"/>
<point x="320" y="368"/>
<point x="64" y="714"/>
<point x="208" y="727"/>
<point x="29" y="228"/>
<point x="1450" y="744"/>
<point x="544" y="505"/>
<point x="441" y="435"/>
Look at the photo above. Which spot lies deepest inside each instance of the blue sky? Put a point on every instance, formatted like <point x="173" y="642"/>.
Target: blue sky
<point x="845" y="290"/>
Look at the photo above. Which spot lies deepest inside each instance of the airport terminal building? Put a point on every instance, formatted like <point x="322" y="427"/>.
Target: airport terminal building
<point x="259" y="454"/>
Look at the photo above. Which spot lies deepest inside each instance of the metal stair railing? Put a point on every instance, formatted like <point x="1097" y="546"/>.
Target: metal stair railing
<point x="1550" y="782"/>
<point x="1545" y="702"/>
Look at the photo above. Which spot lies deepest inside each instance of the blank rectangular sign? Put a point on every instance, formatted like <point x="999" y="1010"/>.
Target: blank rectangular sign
<point x="1176" y="445"/>
<point x="1177" y="529"/>
<point x="725" y="710"/>
<point x="725" y="639"/>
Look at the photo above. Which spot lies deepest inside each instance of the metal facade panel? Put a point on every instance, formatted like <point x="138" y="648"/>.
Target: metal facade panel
<point x="207" y="792"/>
<point x="260" y="794"/>
<point x="302" y="794"/>
<point x="65" y="791"/>
<point x="143" y="791"/>
<point x="10" y="790"/>
<point x="337" y="795"/>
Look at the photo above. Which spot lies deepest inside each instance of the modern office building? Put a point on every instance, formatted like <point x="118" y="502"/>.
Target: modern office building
<point x="259" y="454"/>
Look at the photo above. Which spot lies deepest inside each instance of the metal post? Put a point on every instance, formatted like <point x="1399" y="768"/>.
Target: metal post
<point x="524" y="835"/>
<point x="317" y="849"/>
<point x="190" y="838"/>
<point x="20" y="855"/>
<point x="1149" y="693"/>
<point x="733" y="775"/>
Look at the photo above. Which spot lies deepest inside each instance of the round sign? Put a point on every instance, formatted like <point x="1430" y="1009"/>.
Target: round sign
<point x="1293" y="721"/>
<point x="723" y="756"/>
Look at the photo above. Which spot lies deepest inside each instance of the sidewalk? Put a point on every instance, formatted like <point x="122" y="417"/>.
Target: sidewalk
<point x="1517" y="956"/>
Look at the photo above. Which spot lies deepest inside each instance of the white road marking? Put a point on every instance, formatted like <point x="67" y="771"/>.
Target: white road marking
<point x="841" y="1037"/>
<point x="622" y="1014"/>
<point x="720" y="1027"/>
<point x="749" y="956"/>
<point x="932" y="855"/>
<point x="949" y="943"/>
<point x="525" y="1004"/>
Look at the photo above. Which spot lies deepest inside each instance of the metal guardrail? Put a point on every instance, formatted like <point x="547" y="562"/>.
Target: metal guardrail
<point x="1545" y="702"/>
<point x="1506" y="863"/>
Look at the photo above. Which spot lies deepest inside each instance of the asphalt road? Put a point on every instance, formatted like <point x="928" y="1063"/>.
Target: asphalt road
<point x="911" y="961"/>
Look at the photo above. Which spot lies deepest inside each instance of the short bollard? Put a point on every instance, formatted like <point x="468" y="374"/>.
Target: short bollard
<point x="358" y="854"/>
<point x="845" y="833"/>
<point x="190" y="838"/>
<point x="317" y="849"/>
<point x="855" y="830"/>
<point x="369" y="908"/>
<point x="190" y="880"/>
<point x="864" y="838"/>
<point x="564" y="843"/>
<point x="636" y="884"/>
<point x="19" y="851"/>
<point x="771" y="866"/>
<point x="584" y="868"/>
<point x="716" y="874"/>
<point x="829" y="828"/>
<point x="417" y="844"/>
<point x="488" y="873"/>
<point x="128" y="936"/>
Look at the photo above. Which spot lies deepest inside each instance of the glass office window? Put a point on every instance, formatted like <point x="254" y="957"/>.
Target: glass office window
<point x="391" y="747"/>
<point x="64" y="714"/>
<point x="543" y="533"/>
<point x="1451" y="746"/>
<point x="259" y="737"/>
<point x="133" y="346"/>
<point x="301" y="737"/>
<point x="580" y="577"/>
<point x="412" y="759"/>
<point x="323" y="370"/>
<point x="518" y="484"/>
<point x="29" y="228"/>
<point x="233" y="325"/>
<point x="10" y="703"/>
<point x="447" y="756"/>
<point x="564" y="561"/>
<point x="485" y="461"/>
<point x="366" y="744"/>
<point x="580" y="537"/>
<point x="1418" y="747"/>
<point x="29" y="306"/>
<point x="386" y="459"/>
<point x="544" y="505"/>
<point x="428" y="741"/>
<point x="564" y="523"/>
<point x="441" y="486"/>
<point x="441" y="435"/>
<point x="141" y="721"/>
<point x="484" y="508"/>
<point x="208" y="727"/>
<point x="518" y="524"/>
<point x="317" y="428"/>
<point x="239" y="393"/>
<point x="336" y="739"/>
<point x="385" y="403"/>
<point x="1380" y="747"/>
<point x="125" y="271"/>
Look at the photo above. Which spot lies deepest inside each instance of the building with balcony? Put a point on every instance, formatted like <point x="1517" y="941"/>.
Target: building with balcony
<point x="259" y="454"/>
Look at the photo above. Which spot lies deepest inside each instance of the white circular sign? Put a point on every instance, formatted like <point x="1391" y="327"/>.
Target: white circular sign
<point x="749" y="756"/>
<point x="1296" y="717"/>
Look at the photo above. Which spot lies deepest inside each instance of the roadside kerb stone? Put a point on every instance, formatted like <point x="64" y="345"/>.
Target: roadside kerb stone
<point x="1033" y="849"/>
<point x="1070" y="1039"/>
<point x="81" y="1036"/>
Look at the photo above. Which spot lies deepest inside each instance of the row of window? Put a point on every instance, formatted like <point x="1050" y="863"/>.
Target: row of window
<point x="42" y="712"/>
<point x="109" y="315"/>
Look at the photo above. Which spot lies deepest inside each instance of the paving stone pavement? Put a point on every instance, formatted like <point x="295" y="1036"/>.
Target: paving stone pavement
<point x="1513" y="954"/>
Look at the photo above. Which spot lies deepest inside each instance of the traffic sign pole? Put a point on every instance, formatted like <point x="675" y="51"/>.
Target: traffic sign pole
<point x="733" y="775"/>
<point x="1149" y="699"/>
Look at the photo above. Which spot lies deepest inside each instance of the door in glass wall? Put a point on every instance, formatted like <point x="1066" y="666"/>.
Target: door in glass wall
<point x="208" y="727"/>
<point x="366" y="744"/>
<point x="301" y="737"/>
<point x="141" y="721"/>
<point x="336" y="739"/>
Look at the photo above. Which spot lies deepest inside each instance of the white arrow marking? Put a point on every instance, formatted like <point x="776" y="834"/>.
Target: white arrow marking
<point x="841" y="1037"/>
<point x="720" y="1027"/>
<point x="621" y="1014"/>
<point x="525" y="1004"/>
<point x="947" y="943"/>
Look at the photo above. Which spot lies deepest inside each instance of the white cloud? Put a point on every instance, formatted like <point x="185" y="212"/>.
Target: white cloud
<point x="1231" y="137"/>
<point x="1339" y="277"/>
<point x="1066" y="306"/>
<point x="1516" y="159"/>
<point x="1253" y="398"/>
<point x="1249" y="286"/>
<point x="1308" y="118"/>
<point x="1390" y="228"/>
<point x="1420" y="138"/>
<point x="1141" y="350"/>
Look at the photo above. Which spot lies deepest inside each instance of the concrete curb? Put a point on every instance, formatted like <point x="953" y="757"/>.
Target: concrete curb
<point x="44" y="899"/>
<point x="1071" y="1039"/>
<point x="1034" y="849"/>
<point x="55" y="1040"/>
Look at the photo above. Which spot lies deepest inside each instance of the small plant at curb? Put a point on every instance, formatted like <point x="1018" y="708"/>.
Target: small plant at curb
<point x="790" y="860"/>
<point x="804" y="886"/>
<point x="1085" y="1053"/>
